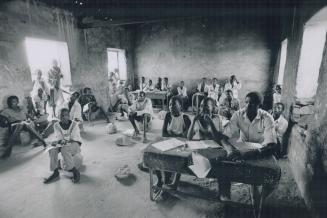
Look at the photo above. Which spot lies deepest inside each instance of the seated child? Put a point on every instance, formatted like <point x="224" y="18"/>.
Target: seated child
<point x="68" y="143"/>
<point x="176" y="124"/>
<point x="19" y="121"/>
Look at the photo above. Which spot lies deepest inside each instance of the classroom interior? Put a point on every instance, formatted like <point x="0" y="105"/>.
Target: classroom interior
<point x="263" y="43"/>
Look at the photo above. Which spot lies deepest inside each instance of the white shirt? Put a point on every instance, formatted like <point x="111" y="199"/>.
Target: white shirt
<point x="144" y="107"/>
<point x="39" y="103"/>
<point x="198" y="128"/>
<point x="182" y="91"/>
<point x="72" y="133"/>
<point x="277" y="97"/>
<point x="143" y="86"/>
<point x="149" y="88"/>
<point x="281" y="125"/>
<point x="213" y="91"/>
<point x="165" y="87"/>
<point x="236" y="86"/>
<point x="176" y="124"/>
<point x="260" y="130"/>
<point x="206" y="87"/>
<point x="76" y="111"/>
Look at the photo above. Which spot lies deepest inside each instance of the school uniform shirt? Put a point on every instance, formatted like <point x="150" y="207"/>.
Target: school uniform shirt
<point x="199" y="129"/>
<point x="232" y="105"/>
<point x="72" y="133"/>
<point x="220" y="98"/>
<point x="39" y="102"/>
<point x="165" y="87"/>
<point x="182" y="91"/>
<point x="235" y="87"/>
<point x="177" y="125"/>
<point x="281" y="125"/>
<point x="124" y="99"/>
<point x="203" y="87"/>
<point x="149" y="88"/>
<point x="76" y="111"/>
<point x="277" y="98"/>
<point x="143" y="86"/>
<point x="213" y="91"/>
<point x="260" y="130"/>
<point x="142" y="107"/>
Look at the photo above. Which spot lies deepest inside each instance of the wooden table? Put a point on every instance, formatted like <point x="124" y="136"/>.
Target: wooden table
<point x="263" y="172"/>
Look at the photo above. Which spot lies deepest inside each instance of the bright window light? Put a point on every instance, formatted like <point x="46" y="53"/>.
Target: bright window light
<point x="41" y="53"/>
<point x="117" y="61"/>
<point x="310" y="60"/>
<point x="282" y="62"/>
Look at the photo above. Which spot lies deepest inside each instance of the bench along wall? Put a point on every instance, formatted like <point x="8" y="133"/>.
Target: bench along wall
<point x="191" y="49"/>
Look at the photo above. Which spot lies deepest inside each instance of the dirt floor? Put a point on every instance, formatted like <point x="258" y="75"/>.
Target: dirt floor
<point x="99" y="194"/>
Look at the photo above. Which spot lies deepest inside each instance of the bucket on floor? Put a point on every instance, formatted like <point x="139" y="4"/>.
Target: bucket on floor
<point x="111" y="128"/>
<point x="25" y="137"/>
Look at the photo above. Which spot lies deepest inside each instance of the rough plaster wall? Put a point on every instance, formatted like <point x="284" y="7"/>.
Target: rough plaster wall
<point x="307" y="153"/>
<point x="20" y="19"/>
<point x="93" y="71"/>
<point x="87" y="48"/>
<point x="189" y="50"/>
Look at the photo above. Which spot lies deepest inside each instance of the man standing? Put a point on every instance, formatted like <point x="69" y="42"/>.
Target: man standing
<point x="234" y="85"/>
<point x="54" y="79"/>
<point x="281" y="125"/>
<point x="141" y="110"/>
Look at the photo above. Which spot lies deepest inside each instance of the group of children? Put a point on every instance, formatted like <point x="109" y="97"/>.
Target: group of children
<point x="250" y="124"/>
<point x="219" y="117"/>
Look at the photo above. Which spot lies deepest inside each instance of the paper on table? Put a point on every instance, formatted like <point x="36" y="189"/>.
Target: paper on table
<point x="245" y="146"/>
<point x="201" y="165"/>
<point x="202" y="144"/>
<point x="168" y="144"/>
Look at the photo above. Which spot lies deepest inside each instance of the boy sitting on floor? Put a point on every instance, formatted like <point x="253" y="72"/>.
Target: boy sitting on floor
<point x="68" y="143"/>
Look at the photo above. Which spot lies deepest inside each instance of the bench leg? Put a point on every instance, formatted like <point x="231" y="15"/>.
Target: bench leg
<point x="257" y="198"/>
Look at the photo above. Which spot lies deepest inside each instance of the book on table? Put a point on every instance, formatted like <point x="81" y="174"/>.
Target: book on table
<point x="168" y="144"/>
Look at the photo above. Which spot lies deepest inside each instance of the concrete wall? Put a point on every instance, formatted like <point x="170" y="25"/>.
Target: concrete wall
<point x="307" y="146"/>
<point x="87" y="48"/>
<point x="190" y="49"/>
<point x="93" y="68"/>
<point x="20" y="19"/>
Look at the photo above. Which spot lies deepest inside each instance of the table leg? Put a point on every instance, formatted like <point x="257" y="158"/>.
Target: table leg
<point x="153" y="195"/>
<point x="257" y="198"/>
<point x="144" y="128"/>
